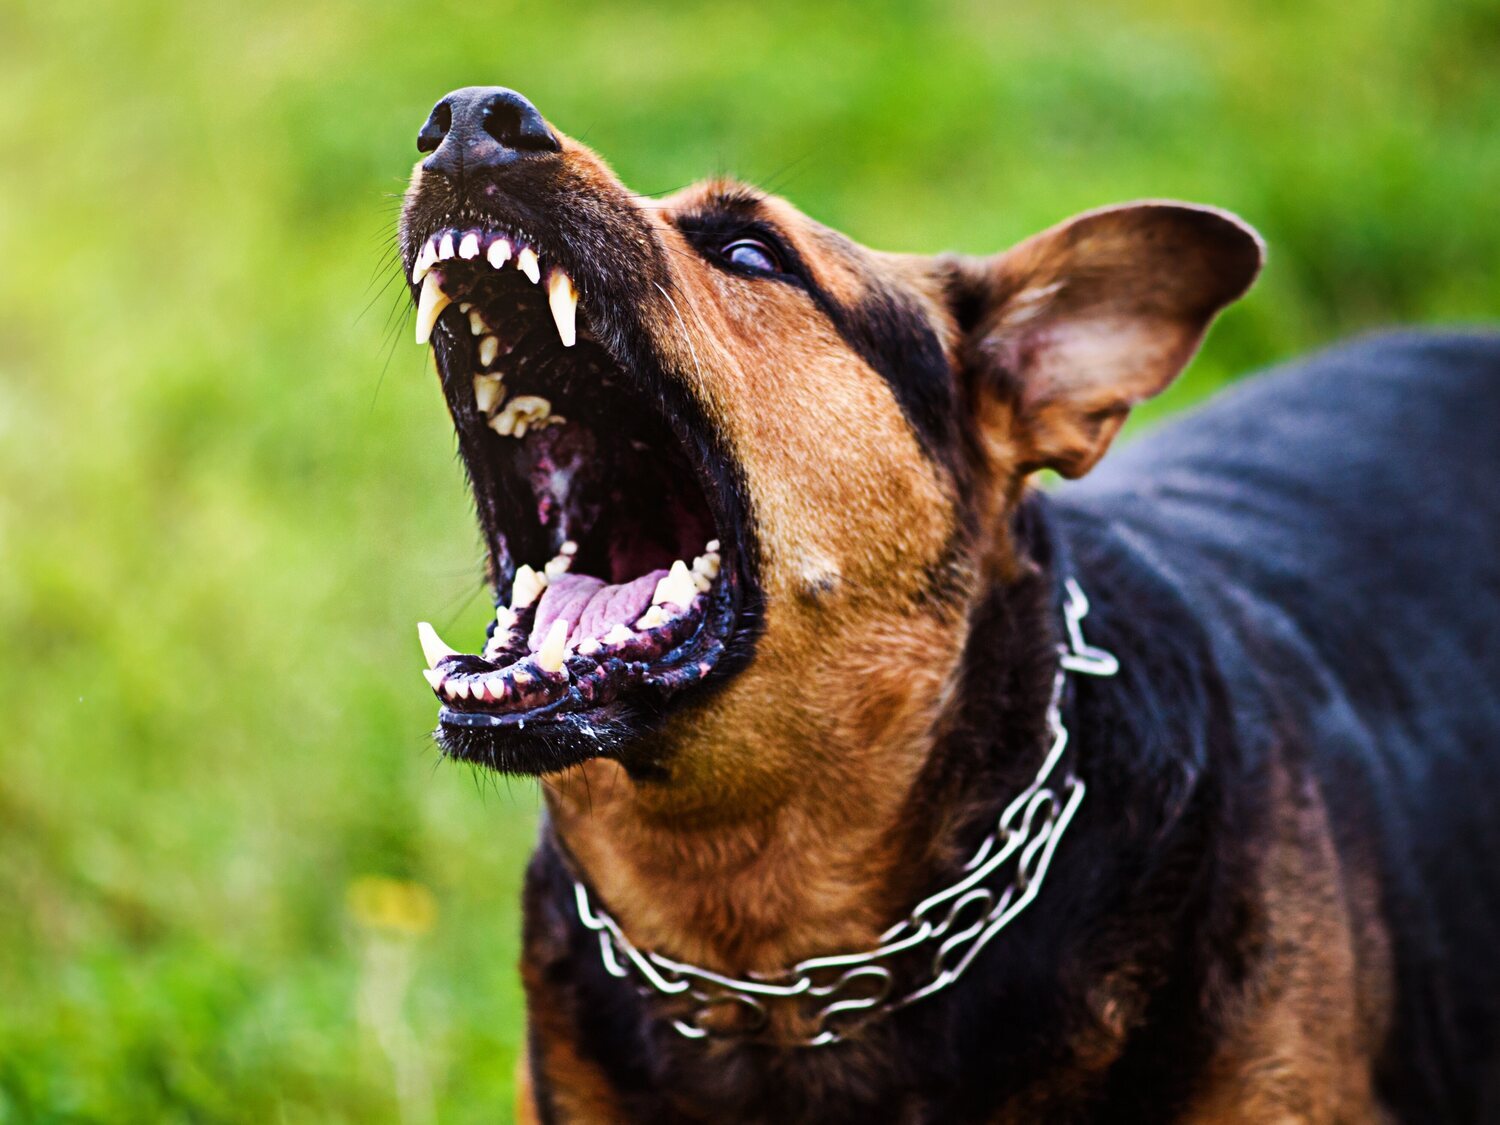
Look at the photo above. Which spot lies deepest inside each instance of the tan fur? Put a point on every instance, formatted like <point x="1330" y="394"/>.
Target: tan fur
<point x="577" y="1089"/>
<point x="1304" y="1032"/>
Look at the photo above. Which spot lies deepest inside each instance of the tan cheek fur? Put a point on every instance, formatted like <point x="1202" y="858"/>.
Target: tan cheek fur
<point x="850" y="517"/>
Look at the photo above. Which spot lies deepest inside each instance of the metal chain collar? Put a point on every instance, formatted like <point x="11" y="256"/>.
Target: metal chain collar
<point x="957" y="922"/>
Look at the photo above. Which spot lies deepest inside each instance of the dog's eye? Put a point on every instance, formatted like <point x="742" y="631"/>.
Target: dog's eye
<point x="752" y="254"/>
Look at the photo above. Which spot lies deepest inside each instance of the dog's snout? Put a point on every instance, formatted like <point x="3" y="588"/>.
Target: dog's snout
<point x="481" y="127"/>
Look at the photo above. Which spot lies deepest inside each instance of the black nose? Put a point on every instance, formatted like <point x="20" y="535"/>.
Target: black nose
<point x="482" y="127"/>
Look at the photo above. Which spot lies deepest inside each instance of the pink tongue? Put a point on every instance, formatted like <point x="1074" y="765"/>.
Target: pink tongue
<point x="591" y="606"/>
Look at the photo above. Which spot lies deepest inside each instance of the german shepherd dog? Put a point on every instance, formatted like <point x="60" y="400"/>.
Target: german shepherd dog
<point x="881" y="786"/>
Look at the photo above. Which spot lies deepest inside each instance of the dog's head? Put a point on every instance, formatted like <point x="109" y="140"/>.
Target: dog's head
<point x="740" y="478"/>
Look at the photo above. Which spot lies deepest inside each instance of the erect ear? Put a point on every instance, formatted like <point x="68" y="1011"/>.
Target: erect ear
<point x="1067" y="331"/>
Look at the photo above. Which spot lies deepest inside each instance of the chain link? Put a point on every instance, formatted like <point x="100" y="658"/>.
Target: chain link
<point x="957" y="922"/>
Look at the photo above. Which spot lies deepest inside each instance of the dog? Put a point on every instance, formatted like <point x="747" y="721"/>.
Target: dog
<point x="884" y="786"/>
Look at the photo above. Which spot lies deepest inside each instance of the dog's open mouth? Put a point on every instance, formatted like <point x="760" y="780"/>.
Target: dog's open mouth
<point x="613" y="553"/>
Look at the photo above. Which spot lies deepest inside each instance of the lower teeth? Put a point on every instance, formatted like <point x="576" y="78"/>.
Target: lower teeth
<point x="533" y="676"/>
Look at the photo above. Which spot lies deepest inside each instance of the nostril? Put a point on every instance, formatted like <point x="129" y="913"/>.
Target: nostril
<point x="515" y="123"/>
<point x="483" y="127"/>
<point x="436" y="127"/>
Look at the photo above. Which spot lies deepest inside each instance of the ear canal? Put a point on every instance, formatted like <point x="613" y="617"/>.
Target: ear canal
<point x="1069" y="330"/>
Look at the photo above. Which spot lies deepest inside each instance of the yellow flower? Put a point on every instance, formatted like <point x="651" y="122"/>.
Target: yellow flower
<point x="380" y="903"/>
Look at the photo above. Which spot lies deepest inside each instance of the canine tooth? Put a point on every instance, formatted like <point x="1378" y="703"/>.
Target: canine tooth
<point x="430" y="306"/>
<point x="489" y="348"/>
<point x="563" y="299"/>
<point x="549" y="657"/>
<point x="527" y="263"/>
<point x="676" y="587"/>
<point x="476" y="322"/>
<point x="652" y="618"/>
<point x="469" y="246"/>
<point x="618" y="634"/>
<point x="568" y="548"/>
<point x="556" y="566"/>
<point x="433" y="646"/>
<point x="433" y="677"/>
<point x="499" y="252"/>
<point x="527" y="586"/>
<point x="426" y="259"/>
<point x="445" y="247"/>
<point x="487" y="392"/>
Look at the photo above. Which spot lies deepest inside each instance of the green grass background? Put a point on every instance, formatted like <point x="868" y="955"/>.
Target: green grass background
<point x="227" y="485"/>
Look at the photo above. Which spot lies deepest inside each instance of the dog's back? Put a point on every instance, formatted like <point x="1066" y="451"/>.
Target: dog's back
<point x="1337" y="526"/>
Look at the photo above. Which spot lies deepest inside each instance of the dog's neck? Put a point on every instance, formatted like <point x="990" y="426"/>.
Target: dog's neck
<point x="799" y="880"/>
<point x="753" y="879"/>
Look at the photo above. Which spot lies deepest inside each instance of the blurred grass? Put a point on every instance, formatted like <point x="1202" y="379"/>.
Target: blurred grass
<point x="227" y="486"/>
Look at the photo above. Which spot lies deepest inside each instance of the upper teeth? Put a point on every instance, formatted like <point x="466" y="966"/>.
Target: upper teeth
<point x="563" y="300"/>
<point x="430" y="306"/>
<point x="522" y="413"/>
<point x="562" y="293"/>
<point x="487" y="392"/>
<point x="425" y="261"/>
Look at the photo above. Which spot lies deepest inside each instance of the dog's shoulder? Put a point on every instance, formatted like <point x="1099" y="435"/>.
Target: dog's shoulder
<point x="1332" y="523"/>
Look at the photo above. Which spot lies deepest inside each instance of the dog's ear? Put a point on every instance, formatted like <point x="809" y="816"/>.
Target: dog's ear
<point x="1067" y="331"/>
